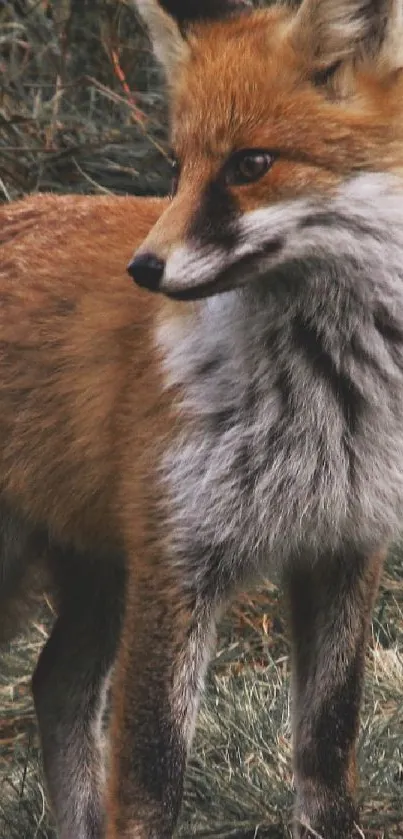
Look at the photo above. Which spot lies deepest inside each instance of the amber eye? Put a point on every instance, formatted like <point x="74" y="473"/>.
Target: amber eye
<point x="247" y="166"/>
<point x="175" y="174"/>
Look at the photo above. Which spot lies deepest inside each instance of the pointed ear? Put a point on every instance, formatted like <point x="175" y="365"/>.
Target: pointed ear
<point x="166" y="37"/>
<point x="332" y="31"/>
<point x="167" y="21"/>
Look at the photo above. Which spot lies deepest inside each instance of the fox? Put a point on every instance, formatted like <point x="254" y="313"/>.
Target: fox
<point x="235" y="412"/>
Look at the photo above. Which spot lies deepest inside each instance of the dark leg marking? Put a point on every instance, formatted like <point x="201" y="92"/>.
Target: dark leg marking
<point x="167" y="640"/>
<point x="21" y="570"/>
<point x="330" y="610"/>
<point x="68" y="687"/>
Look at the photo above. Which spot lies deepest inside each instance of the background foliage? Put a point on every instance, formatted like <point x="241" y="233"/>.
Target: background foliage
<point x="81" y="106"/>
<point x="82" y="109"/>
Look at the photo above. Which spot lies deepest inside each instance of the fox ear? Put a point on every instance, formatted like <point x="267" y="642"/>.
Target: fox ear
<point x="333" y="31"/>
<point x="167" y="21"/>
<point x="168" y="42"/>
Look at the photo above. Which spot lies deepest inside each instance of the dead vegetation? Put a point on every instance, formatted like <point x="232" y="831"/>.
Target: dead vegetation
<point x="81" y="107"/>
<point x="239" y="784"/>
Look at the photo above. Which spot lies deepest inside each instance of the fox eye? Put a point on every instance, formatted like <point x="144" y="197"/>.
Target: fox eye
<point x="247" y="166"/>
<point x="175" y="174"/>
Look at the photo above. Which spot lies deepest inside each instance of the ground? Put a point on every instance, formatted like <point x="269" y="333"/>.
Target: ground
<point x="239" y="783"/>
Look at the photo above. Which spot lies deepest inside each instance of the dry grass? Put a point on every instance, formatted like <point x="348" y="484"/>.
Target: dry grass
<point x="81" y="108"/>
<point x="239" y="782"/>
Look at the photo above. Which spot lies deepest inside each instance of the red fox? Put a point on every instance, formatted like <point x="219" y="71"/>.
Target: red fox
<point x="161" y="451"/>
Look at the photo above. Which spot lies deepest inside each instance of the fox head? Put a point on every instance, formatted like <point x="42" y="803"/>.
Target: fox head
<point x="273" y="113"/>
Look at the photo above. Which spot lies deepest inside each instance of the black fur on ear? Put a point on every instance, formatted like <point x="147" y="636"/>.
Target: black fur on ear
<point x="186" y="12"/>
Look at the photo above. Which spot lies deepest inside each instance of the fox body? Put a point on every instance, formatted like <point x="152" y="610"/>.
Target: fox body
<point x="160" y="451"/>
<point x="264" y="473"/>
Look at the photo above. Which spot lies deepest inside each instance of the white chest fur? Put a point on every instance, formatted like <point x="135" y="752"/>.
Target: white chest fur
<point x="272" y="461"/>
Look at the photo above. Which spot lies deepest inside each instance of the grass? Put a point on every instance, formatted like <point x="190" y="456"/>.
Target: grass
<point x="81" y="104"/>
<point x="239" y="782"/>
<point x="82" y="109"/>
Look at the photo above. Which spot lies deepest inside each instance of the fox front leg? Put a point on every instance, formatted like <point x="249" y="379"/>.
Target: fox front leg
<point x="164" y="653"/>
<point x="330" y="609"/>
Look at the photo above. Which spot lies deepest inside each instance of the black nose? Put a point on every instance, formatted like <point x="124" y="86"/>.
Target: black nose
<point x="146" y="270"/>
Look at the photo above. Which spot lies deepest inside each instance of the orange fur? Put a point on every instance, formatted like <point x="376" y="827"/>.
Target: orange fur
<point x="246" y="84"/>
<point x="83" y="413"/>
<point x="75" y="338"/>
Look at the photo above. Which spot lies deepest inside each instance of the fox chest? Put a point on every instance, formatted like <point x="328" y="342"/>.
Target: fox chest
<point x="274" y="459"/>
<point x="249" y="487"/>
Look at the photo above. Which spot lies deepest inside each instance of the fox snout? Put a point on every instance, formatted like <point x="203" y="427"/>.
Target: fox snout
<point x="147" y="270"/>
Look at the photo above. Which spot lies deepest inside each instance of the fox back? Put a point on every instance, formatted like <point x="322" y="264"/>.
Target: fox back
<point x="159" y="452"/>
